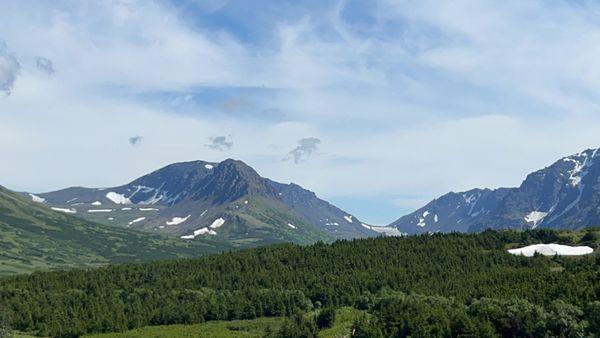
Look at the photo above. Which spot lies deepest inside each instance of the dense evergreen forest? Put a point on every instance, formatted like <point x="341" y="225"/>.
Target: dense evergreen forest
<point x="445" y="285"/>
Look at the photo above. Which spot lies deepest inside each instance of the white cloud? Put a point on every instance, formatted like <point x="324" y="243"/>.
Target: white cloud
<point x="443" y="100"/>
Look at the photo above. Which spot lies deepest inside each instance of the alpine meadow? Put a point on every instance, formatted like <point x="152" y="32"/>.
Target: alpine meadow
<point x="299" y="169"/>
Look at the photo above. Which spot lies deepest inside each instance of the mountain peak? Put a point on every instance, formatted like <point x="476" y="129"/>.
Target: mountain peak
<point x="239" y="166"/>
<point x="230" y="180"/>
<point x="563" y="195"/>
<point x="198" y="197"/>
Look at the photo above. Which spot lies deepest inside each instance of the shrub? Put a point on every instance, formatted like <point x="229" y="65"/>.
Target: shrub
<point x="326" y="318"/>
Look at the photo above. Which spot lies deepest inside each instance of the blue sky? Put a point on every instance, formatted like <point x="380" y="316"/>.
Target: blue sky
<point x="406" y="100"/>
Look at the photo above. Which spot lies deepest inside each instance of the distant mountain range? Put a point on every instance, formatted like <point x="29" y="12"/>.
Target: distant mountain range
<point x="565" y="195"/>
<point x="192" y="208"/>
<point x="228" y="201"/>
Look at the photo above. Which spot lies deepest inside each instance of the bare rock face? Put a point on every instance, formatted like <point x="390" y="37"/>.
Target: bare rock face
<point x="565" y="195"/>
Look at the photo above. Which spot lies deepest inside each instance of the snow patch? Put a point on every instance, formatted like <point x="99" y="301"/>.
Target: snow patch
<point x="97" y="203"/>
<point x="117" y="198"/>
<point x="551" y="250"/>
<point x="37" y="199"/>
<point x="291" y="226"/>
<point x="100" y="210"/>
<point x="200" y="232"/>
<point x="68" y="211"/>
<point x="388" y="231"/>
<point x="137" y="220"/>
<point x="178" y="220"/>
<point x="348" y="218"/>
<point x="217" y="223"/>
<point x="148" y="209"/>
<point x="125" y="209"/>
<point x="535" y="217"/>
<point x="209" y="166"/>
<point x="204" y="231"/>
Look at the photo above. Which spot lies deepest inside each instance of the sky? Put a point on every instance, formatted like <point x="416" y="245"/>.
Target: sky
<point x="377" y="106"/>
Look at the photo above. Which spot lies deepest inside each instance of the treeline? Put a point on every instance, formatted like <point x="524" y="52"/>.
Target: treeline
<point x="282" y="279"/>
<point x="427" y="316"/>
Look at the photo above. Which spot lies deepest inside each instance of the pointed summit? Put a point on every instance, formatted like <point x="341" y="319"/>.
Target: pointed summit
<point x="231" y="180"/>
<point x="228" y="200"/>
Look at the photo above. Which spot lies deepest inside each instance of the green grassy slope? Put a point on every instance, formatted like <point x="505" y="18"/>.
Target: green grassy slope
<point x="33" y="237"/>
<point x="255" y="328"/>
<point x="262" y="221"/>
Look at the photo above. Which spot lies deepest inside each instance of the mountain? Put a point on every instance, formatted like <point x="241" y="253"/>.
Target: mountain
<point x="565" y="195"/>
<point x="229" y="201"/>
<point x="35" y="237"/>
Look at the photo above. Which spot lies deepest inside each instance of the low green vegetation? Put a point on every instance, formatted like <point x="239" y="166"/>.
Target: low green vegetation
<point x="263" y="222"/>
<point x="34" y="237"/>
<point x="254" y="328"/>
<point x="341" y="326"/>
<point x="430" y="285"/>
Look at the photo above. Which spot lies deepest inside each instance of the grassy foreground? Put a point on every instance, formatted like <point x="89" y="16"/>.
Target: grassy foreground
<point x="255" y="328"/>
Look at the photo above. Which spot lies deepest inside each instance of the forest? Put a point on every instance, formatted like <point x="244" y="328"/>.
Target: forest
<point x="439" y="285"/>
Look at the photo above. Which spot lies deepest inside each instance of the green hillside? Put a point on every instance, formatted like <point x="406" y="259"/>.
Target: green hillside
<point x="255" y="221"/>
<point x="34" y="237"/>
<point x="415" y="286"/>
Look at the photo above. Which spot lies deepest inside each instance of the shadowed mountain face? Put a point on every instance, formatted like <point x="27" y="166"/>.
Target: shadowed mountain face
<point x="228" y="201"/>
<point x="565" y="195"/>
